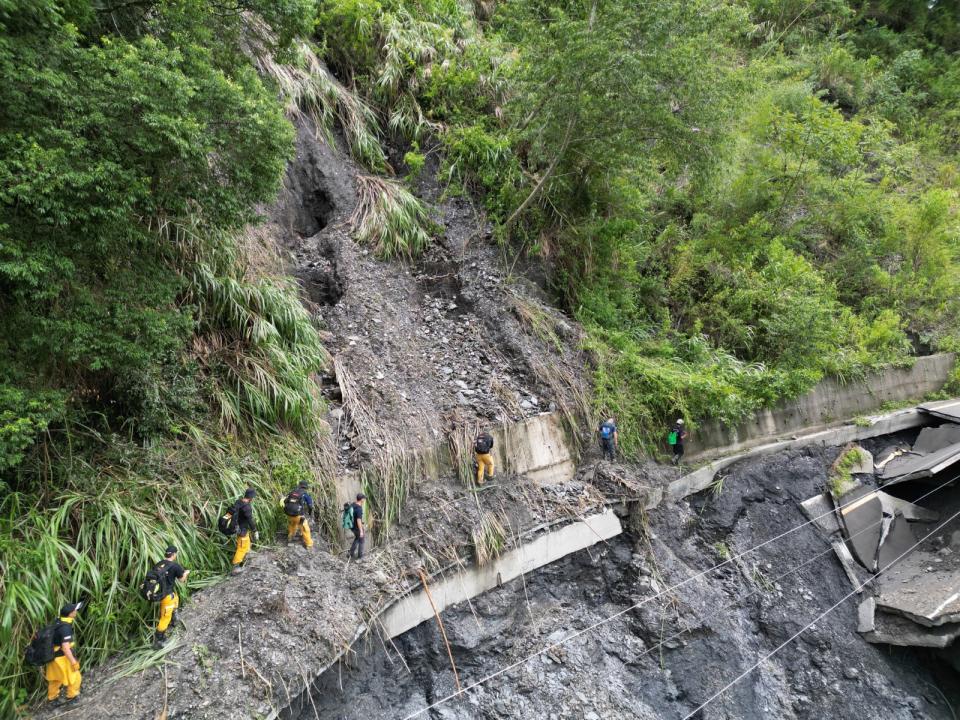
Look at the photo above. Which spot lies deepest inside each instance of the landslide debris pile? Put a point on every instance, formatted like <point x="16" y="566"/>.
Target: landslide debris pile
<point x="662" y="659"/>
<point x="260" y="638"/>
<point x="421" y="347"/>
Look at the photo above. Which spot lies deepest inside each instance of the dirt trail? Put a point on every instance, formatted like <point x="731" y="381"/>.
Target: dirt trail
<point x="260" y="638"/>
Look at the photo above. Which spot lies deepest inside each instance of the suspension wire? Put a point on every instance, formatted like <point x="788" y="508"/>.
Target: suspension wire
<point x="817" y="619"/>
<point x="802" y="565"/>
<point x="643" y="602"/>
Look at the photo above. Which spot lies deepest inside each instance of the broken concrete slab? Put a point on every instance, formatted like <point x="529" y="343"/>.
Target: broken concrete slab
<point x="849" y="565"/>
<point x="946" y="409"/>
<point x="819" y="510"/>
<point x="864" y="466"/>
<point x="897" y="630"/>
<point x="896" y="542"/>
<point x="921" y="589"/>
<point x="914" y="513"/>
<point x="865" y="613"/>
<point x="861" y="512"/>
<point x="934" y="439"/>
<point x="936" y="449"/>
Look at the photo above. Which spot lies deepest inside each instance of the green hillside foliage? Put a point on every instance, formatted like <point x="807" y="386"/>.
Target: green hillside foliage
<point x="734" y="198"/>
<point x="146" y="376"/>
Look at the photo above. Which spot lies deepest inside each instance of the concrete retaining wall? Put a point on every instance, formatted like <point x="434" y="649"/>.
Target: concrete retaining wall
<point x="536" y="447"/>
<point x="411" y="610"/>
<point x="829" y="403"/>
<point x="703" y="477"/>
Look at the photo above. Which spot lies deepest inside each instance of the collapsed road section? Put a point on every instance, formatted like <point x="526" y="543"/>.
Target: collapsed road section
<point x="889" y="502"/>
<point x="660" y="620"/>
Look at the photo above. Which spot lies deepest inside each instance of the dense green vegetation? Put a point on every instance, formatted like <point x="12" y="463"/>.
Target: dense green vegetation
<point x="735" y="198"/>
<point x="146" y="373"/>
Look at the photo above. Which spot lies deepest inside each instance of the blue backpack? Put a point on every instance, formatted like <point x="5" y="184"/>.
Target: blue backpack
<point x="607" y="430"/>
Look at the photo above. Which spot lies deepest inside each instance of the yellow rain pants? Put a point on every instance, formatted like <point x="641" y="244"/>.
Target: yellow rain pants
<point x="167" y="605"/>
<point x="58" y="674"/>
<point x="484" y="460"/>
<point x="299" y="523"/>
<point x="243" y="547"/>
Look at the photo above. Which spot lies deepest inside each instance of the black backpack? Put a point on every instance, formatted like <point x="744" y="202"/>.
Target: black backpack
<point x="40" y="649"/>
<point x="156" y="584"/>
<point x="227" y="524"/>
<point x="483" y="444"/>
<point x="293" y="505"/>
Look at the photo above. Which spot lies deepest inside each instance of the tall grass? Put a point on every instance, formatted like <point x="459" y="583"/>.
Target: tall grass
<point x="390" y="218"/>
<point x="260" y="348"/>
<point x="307" y="88"/>
<point x="106" y="514"/>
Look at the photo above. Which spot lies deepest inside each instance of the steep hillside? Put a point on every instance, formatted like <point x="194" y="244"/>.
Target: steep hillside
<point x="253" y="243"/>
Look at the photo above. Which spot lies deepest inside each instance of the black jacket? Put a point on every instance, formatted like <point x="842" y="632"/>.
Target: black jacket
<point x="245" y="522"/>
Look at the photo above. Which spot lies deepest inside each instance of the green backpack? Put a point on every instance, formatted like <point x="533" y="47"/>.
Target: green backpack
<point x="672" y="437"/>
<point x="347" y="519"/>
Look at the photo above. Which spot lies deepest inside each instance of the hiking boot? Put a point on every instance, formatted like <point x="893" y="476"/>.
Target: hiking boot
<point x="236" y="570"/>
<point x="159" y="639"/>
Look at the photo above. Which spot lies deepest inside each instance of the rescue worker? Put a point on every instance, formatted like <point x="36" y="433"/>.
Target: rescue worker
<point x="296" y="505"/>
<point x="678" y="434"/>
<point x="359" y="532"/>
<point x="246" y="527"/>
<point x="609" y="438"/>
<point x="481" y="448"/>
<point x="170" y="602"/>
<point x="64" y="669"/>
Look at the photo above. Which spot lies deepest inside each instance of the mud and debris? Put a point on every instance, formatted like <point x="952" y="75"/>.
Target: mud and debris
<point x="936" y="449"/>
<point x="901" y="552"/>
<point x="666" y="651"/>
<point x="261" y="637"/>
<point x="450" y="338"/>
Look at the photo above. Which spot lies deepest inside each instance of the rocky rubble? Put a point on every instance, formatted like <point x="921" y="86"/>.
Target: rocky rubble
<point x="664" y="657"/>
<point x="427" y="345"/>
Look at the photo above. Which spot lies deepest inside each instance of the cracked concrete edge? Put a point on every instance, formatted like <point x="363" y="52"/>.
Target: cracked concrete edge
<point x="576" y="535"/>
<point x="703" y="478"/>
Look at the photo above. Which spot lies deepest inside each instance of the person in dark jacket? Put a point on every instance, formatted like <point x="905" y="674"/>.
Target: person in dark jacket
<point x="359" y="531"/>
<point x="246" y="528"/>
<point x="296" y="506"/>
<point x="609" y="438"/>
<point x="64" y="669"/>
<point x="678" y="433"/>
<point x="481" y="448"/>
<point x="170" y="602"/>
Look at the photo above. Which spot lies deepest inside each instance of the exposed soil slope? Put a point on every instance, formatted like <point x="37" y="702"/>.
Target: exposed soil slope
<point x="423" y="346"/>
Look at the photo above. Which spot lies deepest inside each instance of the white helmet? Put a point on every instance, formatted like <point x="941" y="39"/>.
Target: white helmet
<point x="680" y="421"/>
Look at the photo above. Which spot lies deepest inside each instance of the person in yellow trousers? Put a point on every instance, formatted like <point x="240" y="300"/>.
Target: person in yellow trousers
<point x="481" y="448"/>
<point x="296" y="505"/>
<point x="173" y="572"/>
<point x="64" y="669"/>
<point x="246" y="528"/>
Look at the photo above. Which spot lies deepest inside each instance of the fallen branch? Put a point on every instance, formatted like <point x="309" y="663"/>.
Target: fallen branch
<point x="243" y="672"/>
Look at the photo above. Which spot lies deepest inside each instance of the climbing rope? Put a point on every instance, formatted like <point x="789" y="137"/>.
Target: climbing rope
<point x="643" y="602"/>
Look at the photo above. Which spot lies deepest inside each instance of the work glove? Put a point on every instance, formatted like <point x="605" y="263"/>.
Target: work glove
<point x="256" y="536"/>
<point x="75" y="665"/>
